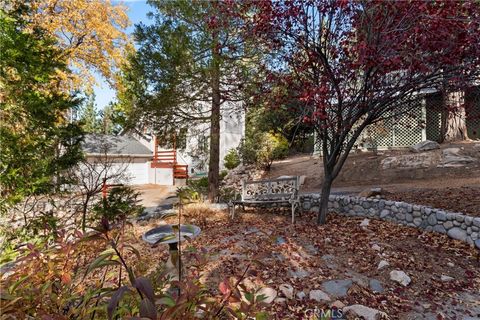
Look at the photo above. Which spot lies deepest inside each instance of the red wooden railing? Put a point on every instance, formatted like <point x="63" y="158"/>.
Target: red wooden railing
<point x="168" y="159"/>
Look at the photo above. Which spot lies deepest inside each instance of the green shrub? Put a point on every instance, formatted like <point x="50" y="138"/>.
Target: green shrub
<point x="121" y="202"/>
<point x="247" y="151"/>
<point x="223" y="174"/>
<point x="232" y="159"/>
<point x="263" y="149"/>
<point x="199" y="185"/>
<point x="272" y="147"/>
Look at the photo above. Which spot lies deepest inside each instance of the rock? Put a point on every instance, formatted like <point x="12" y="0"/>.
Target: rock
<point x="432" y="220"/>
<point x="445" y="278"/>
<point x="477" y="244"/>
<point x="358" y="209"/>
<point x="425" y="146"/>
<point x="337" y="288"/>
<point x="451" y="157"/>
<point x="382" y="264"/>
<point x="476" y="222"/>
<point x="384" y="213"/>
<point x="448" y="224"/>
<point x="365" y="223"/>
<point x="457" y="233"/>
<point x="280" y="240"/>
<point x="375" y="285"/>
<point x="400" y="277"/>
<point x="441" y="215"/>
<point x="451" y="264"/>
<point x="337" y="304"/>
<point x="319" y="296"/>
<point x="364" y="312"/>
<point x="299" y="273"/>
<point x="301" y="295"/>
<point x="407" y="161"/>
<point x="287" y="290"/>
<point x="376" y="247"/>
<point x="439" y="228"/>
<point x="417" y="221"/>
<point x="269" y="294"/>
<point x="280" y="300"/>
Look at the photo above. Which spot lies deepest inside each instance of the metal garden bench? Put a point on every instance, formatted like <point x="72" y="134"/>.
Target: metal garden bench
<point x="265" y="193"/>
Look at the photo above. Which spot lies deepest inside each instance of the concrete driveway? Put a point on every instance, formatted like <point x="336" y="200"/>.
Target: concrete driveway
<point x="153" y="195"/>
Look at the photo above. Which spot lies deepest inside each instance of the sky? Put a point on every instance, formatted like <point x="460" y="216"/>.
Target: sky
<point x="137" y="12"/>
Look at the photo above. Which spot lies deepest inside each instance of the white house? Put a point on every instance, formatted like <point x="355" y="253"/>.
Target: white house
<point x="118" y="153"/>
<point x="145" y="161"/>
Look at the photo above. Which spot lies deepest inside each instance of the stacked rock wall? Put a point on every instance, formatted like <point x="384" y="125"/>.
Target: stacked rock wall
<point x="456" y="225"/>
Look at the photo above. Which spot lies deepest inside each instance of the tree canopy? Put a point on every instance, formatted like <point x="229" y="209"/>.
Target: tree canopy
<point x="36" y="140"/>
<point x="353" y="63"/>
<point x="90" y="35"/>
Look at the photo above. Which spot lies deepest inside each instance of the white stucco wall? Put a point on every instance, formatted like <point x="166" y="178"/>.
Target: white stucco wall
<point x="232" y="131"/>
<point x="161" y="176"/>
<point x="133" y="171"/>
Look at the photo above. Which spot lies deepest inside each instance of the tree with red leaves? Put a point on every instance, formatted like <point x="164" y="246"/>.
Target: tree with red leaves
<point x="352" y="64"/>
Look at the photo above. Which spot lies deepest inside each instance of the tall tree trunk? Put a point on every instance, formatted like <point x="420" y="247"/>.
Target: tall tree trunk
<point x="454" y="127"/>
<point x="326" y="188"/>
<point x="214" y="159"/>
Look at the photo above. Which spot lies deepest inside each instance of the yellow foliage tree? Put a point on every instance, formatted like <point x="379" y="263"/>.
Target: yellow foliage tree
<point x="90" y="33"/>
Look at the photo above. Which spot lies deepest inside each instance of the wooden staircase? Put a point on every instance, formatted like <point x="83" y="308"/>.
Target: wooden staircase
<point x="168" y="159"/>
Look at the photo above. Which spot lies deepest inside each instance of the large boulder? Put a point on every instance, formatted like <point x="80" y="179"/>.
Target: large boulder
<point x="425" y="146"/>
<point x="411" y="161"/>
<point x="452" y="157"/>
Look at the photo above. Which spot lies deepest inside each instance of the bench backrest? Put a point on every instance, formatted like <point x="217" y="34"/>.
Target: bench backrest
<point x="274" y="189"/>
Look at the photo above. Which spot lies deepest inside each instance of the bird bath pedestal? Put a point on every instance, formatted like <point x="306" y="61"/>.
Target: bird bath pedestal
<point x="172" y="234"/>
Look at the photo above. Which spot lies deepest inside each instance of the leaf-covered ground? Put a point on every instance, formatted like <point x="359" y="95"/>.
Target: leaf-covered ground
<point x="305" y="256"/>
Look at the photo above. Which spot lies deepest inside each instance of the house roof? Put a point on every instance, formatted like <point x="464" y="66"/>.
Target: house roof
<point x="101" y="144"/>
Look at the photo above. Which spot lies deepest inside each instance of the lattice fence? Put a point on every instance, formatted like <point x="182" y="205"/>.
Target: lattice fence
<point x="397" y="131"/>
<point x="472" y="109"/>
<point x="422" y="122"/>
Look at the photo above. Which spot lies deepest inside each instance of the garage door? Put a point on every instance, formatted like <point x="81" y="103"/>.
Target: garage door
<point x="138" y="173"/>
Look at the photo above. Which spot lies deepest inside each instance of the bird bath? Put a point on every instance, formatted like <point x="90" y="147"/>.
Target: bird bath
<point x="171" y="234"/>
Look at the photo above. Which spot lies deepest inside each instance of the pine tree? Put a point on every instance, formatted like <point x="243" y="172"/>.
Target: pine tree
<point x="191" y="66"/>
<point x="89" y="116"/>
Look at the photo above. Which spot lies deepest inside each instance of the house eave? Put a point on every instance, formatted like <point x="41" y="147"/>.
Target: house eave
<point x="119" y="155"/>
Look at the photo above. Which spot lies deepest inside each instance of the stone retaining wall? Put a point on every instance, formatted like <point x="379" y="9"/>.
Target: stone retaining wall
<point x="456" y="225"/>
